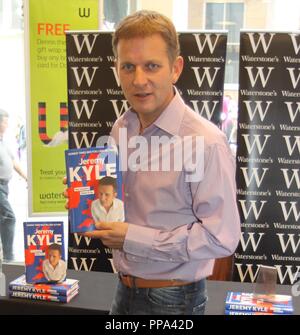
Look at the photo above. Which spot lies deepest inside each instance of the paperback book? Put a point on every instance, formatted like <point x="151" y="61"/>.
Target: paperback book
<point x="44" y="252"/>
<point x="94" y="187"/>
<point x="250" y="302"/>
<point x="44" y="297"/>
<point x="63" y="289"/>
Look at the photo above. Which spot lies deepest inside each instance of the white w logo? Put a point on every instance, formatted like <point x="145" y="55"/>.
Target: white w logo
<point x="258" y="107"/>
<point x="290" y="147"/>
<point x="290" y="241"/>
<point x="254" y="174"/>
<point x="84" y="75"/>
<point x="116" y="75"/>
<point x="84" y="141"/>
<point x="259" y="75"/>
<point x="286" y="213"/>
<point x="83" y="263"/>
<point x="85" y="42"/>
<point x="295" y="44"/>
<point x="205" y="107"/>
<point x="78" y="239"/>
<point x="84" y="107"/>
<point x="206" y="75"/>
<point x="207" y="41"/>
<point x="252" y="208"/>
<point x="293" y="77"/>
<point x="261" y="40"/>
<point x="289" y="180"/>
<point x="292" y="275"/>
<point x="256" y="143"/>
<point x="124" y="107"/>
<point x="249" y="271"/>
<point x="251" y="239"/>
<point x="293" y="113"/>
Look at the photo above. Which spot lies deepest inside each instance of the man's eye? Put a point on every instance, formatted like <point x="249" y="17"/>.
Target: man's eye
<point x="152" y="66"/>
<point x="127" y="67"/>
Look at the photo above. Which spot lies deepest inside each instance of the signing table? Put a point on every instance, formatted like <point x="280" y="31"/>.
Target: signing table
<point x="97" y="291"/>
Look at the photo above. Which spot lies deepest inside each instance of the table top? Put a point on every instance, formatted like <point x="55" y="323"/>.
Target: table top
<point x="97" y="290"/>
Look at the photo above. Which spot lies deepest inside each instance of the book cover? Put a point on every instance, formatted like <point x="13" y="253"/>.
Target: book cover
<point x="64" y="288"/>
<point x="43" y="297"/>
<point x="44" y="252"/>
<point x="242" y="301"/>
<point x="94" y="187"/>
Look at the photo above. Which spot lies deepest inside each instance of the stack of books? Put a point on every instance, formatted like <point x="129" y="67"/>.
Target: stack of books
<point x="242" y="303"/>
<point x="62" y="292"/>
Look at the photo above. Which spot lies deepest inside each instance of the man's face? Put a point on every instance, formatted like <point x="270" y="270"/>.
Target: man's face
<point x="3" y="125"/>
<point x="146" y="75"/>
<point x="106" y="195"/>
<point x="54" y="257"/>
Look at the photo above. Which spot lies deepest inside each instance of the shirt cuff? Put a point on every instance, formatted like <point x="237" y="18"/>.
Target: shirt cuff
<point x="139" y="240"/>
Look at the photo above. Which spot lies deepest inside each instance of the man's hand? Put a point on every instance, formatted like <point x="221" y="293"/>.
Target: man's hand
<point x="112" y="234"/>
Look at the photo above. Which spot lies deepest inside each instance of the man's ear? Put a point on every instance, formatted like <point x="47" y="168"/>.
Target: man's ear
<point x="177" y="68"/>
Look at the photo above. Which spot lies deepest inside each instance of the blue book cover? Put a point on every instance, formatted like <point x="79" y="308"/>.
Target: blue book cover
<point x="250" y="302"/>
<point x="94" y="187"/>
<point x="65" y="288"/>
<point x="44" y="252"/>
<point x="43" y="297"/>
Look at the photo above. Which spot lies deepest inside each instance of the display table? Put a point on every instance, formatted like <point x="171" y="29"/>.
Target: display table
<point x="97" y="291"/>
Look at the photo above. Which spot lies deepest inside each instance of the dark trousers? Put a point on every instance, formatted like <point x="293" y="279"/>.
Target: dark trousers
<point x="7" y="223"/>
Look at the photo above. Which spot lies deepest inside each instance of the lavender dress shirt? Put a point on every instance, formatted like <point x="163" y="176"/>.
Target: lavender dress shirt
<point x="177" y="228"/>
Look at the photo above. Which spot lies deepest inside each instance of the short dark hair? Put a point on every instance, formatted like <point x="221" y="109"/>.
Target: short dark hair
<point x="55" y="246"/>
<point x="146" y="23"/>
<point x="108" y="181"/>
<point x="3" y="114"/>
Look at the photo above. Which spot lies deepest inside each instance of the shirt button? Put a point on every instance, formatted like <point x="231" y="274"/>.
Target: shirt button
<point x="126" y="194"/>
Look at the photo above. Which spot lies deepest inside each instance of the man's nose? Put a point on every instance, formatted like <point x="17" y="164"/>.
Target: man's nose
<point x="140" y="77"/>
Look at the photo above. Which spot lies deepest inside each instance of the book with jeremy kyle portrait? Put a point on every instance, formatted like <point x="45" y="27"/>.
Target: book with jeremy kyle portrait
<point x="44" y="252"/>
<point x="94" y="187"/>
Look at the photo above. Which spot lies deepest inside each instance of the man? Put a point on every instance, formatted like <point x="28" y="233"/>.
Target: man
<point x="7" y="216"/>
<point x="107" y="207"/>
<point x="175" y="227"/>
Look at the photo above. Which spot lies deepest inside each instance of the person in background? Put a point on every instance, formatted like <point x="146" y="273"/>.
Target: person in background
<point x="8" y="163"/>
<point x="175" y="227"/>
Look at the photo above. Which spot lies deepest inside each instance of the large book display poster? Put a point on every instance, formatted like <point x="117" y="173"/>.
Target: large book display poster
<point x="95" y="101"/>
<point x="47" y="113"/>
<point x="268" y="155"/>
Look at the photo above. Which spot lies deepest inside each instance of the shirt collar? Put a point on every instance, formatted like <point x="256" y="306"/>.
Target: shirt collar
<point x="169" y="120"/>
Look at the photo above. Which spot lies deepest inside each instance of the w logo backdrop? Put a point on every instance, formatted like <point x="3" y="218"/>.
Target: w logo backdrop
<point x="96" y="100"/>
<point x="268" y="155"/>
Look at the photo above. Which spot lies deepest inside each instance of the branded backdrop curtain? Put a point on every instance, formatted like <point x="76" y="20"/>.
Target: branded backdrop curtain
<point x="96" y="100"/>
<point x="268" y="155"/>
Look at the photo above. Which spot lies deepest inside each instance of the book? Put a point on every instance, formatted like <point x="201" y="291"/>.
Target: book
<point x="94" y="187"/>
<point x="250" y="302"/>
<point x="62" y="289"/>
<point x="44" y="297"/>
<point x="44" y="252"/>
<point x="228" y="312"/>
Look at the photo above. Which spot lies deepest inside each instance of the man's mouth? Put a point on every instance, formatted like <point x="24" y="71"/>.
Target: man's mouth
<point x="142" y="95"/>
